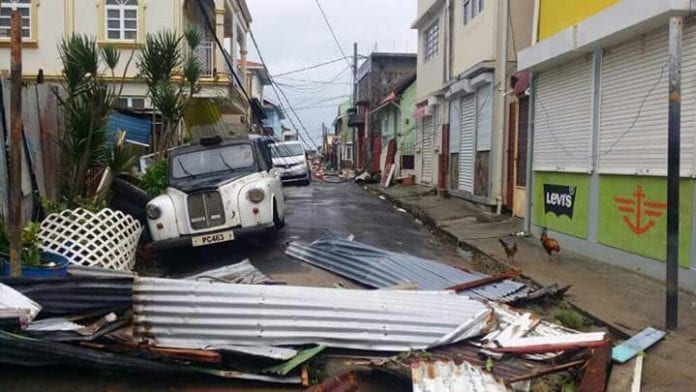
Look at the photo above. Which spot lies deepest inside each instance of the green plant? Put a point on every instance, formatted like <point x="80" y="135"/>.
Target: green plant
<point x="161" y="58"/>
<point x="569" y="317"/>
<point x="121" y="158"/>
<point x="88" y="100"/>
<point x="31" y="253"/>
<point x="156" y="178"/>
<point x="52" y="206"/>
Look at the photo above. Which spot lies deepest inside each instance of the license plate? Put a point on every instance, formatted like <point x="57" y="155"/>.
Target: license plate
<point x="209" y="239"/>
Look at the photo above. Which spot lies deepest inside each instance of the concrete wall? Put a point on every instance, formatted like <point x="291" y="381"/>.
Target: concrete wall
<point x="407" y="123"/>
<point x="476" y="41"/>
<point x="430" y="72"/>
<point x="555" y="15"/>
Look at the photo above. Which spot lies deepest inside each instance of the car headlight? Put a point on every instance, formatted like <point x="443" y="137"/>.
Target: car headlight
<point x="152" y="211"/>
<point x="256" y="195"/>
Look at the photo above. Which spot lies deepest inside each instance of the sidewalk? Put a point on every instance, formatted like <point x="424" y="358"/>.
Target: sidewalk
<point x="626" y="301"/>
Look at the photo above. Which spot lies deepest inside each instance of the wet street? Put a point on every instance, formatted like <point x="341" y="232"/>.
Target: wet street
<point x="318" y="210"/>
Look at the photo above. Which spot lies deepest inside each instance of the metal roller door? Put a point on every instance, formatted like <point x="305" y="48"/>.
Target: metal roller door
<point x="563" y="118"/>
<point x="634" y="108"/>
<point x="427" y="156"/>
<point x="467" y="138"/>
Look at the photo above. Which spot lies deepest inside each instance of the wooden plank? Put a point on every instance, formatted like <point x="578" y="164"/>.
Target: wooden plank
<point x="597" y="370"/>
<point x="4" y="133"/>
<point x="50" y="151"/>
<point x="637" y="374"/>
<point x="32" y="135"/>
<point x="640" y="342"/>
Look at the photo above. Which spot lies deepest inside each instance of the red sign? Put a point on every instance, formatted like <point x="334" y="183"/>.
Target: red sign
<point x="640" y="213"/>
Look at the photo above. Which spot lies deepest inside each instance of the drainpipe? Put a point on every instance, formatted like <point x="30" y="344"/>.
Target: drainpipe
<point x="529" y="171"/>
<point x="498" y="136"/>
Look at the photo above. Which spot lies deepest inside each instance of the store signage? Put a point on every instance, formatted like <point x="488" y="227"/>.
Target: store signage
<point x="559" y="199"/>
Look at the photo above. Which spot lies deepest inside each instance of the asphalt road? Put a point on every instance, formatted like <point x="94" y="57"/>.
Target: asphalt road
<point x="312" y="212"/>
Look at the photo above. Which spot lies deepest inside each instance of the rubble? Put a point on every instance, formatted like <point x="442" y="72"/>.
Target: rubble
<point x="229" y="323"/>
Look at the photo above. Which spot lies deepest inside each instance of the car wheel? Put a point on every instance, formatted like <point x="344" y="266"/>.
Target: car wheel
<point x="277" y="222"/>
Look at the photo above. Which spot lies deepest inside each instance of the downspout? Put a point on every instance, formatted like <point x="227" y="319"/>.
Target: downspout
<point x="529" y="172"/>
<point x="499" y="121"/>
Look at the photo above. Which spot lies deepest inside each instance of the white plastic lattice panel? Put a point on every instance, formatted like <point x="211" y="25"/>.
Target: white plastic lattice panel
<point x="107" y="239"/>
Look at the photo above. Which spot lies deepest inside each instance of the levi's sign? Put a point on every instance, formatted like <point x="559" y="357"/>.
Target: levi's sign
<point x="559" y="199"/>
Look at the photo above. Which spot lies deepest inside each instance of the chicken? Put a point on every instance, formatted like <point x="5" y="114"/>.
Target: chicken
<point x="551" y="245"/>
<point x="510" y="247"/>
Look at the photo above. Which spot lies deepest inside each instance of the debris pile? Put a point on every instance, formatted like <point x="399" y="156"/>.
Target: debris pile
<point x="452" y="328"/>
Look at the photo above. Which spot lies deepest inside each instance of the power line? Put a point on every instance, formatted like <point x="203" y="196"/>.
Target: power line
<point x="308" y="68"/>
<point x="276" y="90"/>
<point x="333" y="34"/>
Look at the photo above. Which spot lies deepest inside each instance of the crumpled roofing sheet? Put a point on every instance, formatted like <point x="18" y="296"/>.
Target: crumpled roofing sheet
<point x="12" y="299"/>
<point x="243" y="272"/>
<point x="378" y="268"/>
<point x="190" y="314"/>
<point x="447" y="376"/>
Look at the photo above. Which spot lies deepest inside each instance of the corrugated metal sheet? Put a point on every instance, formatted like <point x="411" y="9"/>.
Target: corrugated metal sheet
<point x="563" y="118"/>
<point x="467" y="137"/>
<point x="189" y="314"/>
<point x="378" y="268"/>
<point x="72" y="296"/>
<point x="137" y="129"/>
<point x="427" y="150"/>
<point x="634" y="108"/>
<point x="447" y="376"/>
<point x="242" y="272"/>
<point x="11" y="299"/>
<point x="20" y="350"/>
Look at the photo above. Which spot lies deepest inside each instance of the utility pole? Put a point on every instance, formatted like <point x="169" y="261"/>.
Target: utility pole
<point x="355" y="103"/>
<point x="676" y="25"/>
<point x="16" y="146"/>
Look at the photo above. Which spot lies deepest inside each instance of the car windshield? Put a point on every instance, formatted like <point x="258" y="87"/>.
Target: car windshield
<point x="204" y="162"/>
<point x="287" y="150"/>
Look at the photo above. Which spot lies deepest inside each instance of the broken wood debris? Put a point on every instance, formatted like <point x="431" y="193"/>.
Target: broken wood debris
<point x="636" y="344"/>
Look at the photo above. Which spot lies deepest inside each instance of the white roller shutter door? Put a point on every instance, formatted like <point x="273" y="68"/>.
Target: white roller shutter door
<point x="563" y="118"/>
<point x="427" y="168"/>
<point x="467" y="135"/>
<point x="634" y="107"/>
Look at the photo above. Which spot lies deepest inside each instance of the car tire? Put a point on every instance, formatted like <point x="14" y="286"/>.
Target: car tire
<point x="278" y="223"/>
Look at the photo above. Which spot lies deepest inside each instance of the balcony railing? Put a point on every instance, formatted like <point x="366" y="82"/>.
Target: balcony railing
<point x="205" y="55"/>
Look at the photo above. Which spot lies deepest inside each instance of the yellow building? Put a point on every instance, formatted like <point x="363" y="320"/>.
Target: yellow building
<point x="556" y="15"/>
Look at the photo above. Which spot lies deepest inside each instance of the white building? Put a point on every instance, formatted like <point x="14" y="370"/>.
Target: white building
<point x="125" y="24"/>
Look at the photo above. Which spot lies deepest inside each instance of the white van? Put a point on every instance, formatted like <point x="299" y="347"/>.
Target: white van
<point x="290" y="159"/>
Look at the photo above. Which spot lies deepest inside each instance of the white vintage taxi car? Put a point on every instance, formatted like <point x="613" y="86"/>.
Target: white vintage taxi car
<point x="218" y="190"/>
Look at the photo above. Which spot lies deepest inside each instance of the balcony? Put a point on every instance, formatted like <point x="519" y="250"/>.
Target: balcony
<point x="205" y="56"/>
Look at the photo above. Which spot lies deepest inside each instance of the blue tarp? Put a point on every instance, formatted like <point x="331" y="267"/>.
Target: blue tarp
<point x="137" y="129"/>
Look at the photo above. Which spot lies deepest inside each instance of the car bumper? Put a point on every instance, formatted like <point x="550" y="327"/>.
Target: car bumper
<point x="295" y="177"/>
<point x="185" y="240"/>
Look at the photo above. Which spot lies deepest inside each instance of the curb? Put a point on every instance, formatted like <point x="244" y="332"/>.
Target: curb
<point x="463" y="244"/>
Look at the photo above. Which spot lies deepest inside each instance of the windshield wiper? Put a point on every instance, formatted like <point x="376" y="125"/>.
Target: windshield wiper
<point x="224" y="162"/>
<point x="188" y="173"/>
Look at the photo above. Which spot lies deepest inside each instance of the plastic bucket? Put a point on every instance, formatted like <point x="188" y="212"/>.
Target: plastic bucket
<point x="57" y="271"/>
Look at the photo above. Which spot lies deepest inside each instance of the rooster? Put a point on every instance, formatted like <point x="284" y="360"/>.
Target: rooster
<point x="551" y="245"/>
<point x="510" y="247"/>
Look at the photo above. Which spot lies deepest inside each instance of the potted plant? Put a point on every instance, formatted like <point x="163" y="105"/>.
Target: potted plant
<point x="35" y="263"/>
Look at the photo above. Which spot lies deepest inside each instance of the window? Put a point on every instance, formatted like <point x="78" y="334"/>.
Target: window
<point x="121" y="19"/>
<point x="6" y="8"/>
<point x="472" y="8"/>
<point x="432" y="40"/>
<point x="131" y="103"/>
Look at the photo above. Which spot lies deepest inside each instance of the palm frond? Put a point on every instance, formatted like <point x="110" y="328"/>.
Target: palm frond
<point x="111" y="56"/>
<point x="160" y="56"/>
<point x="194" y="37"/>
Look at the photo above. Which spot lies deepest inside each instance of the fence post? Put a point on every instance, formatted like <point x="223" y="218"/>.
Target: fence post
<point x="16" y="147"/>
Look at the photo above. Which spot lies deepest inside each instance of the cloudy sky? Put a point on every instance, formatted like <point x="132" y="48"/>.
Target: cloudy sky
<point x="292" y="34"/>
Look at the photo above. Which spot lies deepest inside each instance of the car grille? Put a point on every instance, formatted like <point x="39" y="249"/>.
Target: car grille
<point x="205" y="210"/>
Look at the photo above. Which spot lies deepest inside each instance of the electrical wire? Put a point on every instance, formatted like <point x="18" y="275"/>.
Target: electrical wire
<point x="308" y="67"/>
<point x="333" y="33"/>
<point x="278" y="92"/>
